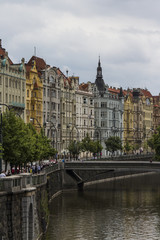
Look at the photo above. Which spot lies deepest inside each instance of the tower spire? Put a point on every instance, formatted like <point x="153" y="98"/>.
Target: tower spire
<point x="99" y="69"/>
<point x="99" y="78"/>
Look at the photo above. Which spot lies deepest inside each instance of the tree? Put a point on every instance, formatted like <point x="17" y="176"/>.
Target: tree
<point x="113" y="144"/>
<point x="154" y="143"/>
<point x="21" y="143"/>
<point x="74" y="148"/>
<point x="127" y="147"/>
<point x="86" y="145"/>
<point x="95" y="147"/>
<point x="13" y="131"/>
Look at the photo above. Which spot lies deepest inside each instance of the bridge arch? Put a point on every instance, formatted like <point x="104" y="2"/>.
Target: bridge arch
<point x="28" y="216"/>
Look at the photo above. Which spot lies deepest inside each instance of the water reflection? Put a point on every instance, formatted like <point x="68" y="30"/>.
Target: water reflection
<point x="123" y="209"/>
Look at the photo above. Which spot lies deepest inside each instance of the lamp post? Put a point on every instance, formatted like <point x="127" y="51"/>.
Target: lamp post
<point x="98" y="134"/>
<point x="32" y="120"/>
<point x="53" y="126"/>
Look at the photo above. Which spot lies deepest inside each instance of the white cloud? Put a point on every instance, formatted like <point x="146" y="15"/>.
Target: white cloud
<point x="126" y="34"/>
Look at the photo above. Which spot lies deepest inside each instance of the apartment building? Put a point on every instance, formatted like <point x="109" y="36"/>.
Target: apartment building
<point x="12" y="83"/>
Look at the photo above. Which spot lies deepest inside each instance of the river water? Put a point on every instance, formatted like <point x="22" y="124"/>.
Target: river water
<point x="123" y="209"/>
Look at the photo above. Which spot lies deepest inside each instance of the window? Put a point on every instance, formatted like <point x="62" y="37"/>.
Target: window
<point x="53" y="93"/>
<point x="84" y="100"/>
<point x="91" y="101"/>
<point x="47" y="92"/>
<point x="0" y="97"/>
<point x="27" y="93"/>
<point x="44" y="92"/>
<point x="6" y="81"/>
<point x="6" y="98"/>
<point x="84" y="111"/>
<point x="47" y="105"/>
<point x="103" y="105"/>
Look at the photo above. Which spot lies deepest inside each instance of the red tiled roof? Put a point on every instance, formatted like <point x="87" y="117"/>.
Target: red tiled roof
<point x="40" y="63"/>
<point x="83" y="87"/>
<point x="146" y="93"/>
<point x="114" y="90"/>
<point x="2" y="53"/>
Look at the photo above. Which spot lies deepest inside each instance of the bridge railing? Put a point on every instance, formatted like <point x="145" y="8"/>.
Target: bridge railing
<point x="129" y="157"/>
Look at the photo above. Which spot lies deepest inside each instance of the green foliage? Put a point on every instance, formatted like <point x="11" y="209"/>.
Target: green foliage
<point x="95" y="147"/>
<point x="85" y="144"/>
<point x="88" y="145"/>
<point x="21" y="142"/>
<point x="74" y="148"/>
<point x="113" y="144"/>
<point x="127" y="147"/>
<point x="154" y="143"/>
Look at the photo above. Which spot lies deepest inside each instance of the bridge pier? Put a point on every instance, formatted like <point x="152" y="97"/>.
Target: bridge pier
<point x="80" y="186"/>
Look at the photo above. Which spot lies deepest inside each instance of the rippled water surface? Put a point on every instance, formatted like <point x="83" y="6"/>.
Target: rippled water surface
<point x="123" y="209"/>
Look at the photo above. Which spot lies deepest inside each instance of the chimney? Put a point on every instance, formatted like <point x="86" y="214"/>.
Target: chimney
<point x="0" y="43"/>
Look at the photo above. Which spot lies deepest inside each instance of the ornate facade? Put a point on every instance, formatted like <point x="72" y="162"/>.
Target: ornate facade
<point x="34" y="95"/>
<point x="12" y="83"/>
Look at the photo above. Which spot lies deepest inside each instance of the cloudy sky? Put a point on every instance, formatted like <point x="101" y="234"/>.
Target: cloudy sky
<point x="71" y="34"/>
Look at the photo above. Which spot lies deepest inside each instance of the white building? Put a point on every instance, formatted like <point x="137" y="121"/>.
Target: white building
<point x="108" y="107"/>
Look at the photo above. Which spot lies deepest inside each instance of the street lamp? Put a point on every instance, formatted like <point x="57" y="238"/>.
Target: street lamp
<point x="32" y="120"/>
<point x="52" y="125"/>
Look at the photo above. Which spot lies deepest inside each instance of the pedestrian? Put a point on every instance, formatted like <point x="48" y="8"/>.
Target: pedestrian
<point x="2" y="175"/>
<point x="38" y="168"/>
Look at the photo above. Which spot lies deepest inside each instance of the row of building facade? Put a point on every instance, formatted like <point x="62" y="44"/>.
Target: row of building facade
<point x="67" y="110"/>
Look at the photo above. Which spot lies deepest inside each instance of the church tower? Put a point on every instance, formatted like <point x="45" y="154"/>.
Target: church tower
<point x="99" y="79"/>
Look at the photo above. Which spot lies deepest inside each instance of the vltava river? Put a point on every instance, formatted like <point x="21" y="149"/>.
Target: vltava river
<point x="123" y="209"/>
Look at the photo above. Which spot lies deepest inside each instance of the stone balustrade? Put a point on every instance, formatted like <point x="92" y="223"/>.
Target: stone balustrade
<point x="23" y="181"/>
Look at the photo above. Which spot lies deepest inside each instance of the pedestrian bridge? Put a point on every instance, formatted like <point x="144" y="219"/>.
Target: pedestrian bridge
<point x="114" y="165"/>
<point x="91" y="171"/>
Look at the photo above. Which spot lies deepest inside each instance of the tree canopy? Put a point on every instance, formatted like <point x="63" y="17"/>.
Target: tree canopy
<point x="154" y="143"/>
<point x="113" y="144"/>
<point x="21" y="142"/>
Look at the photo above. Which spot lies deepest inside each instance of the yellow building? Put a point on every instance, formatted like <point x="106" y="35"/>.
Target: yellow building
<point x="128" y="128"/>
<point x="148" y="127"/>
<point x="34" y="95"/>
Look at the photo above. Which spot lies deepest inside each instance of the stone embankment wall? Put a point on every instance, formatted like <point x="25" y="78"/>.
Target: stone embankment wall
<point x="24" y="201"/>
